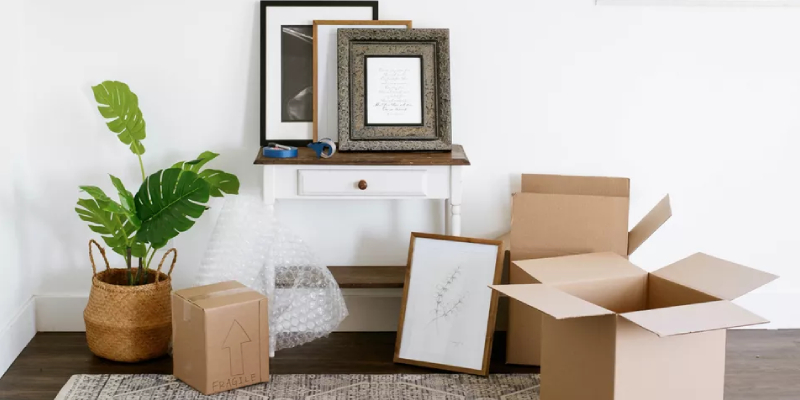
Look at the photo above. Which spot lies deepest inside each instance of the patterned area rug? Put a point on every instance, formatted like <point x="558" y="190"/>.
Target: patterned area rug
<point x="328" y="387"/>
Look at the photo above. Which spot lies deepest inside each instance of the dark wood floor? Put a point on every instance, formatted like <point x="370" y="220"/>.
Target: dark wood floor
<point x="762" y="365"/>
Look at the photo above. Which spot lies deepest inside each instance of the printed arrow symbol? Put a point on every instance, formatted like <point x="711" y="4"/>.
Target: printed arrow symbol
<point x="233" y="342"/>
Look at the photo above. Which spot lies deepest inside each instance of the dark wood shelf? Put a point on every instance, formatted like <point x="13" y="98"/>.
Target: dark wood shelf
<point x="369" y="277"/>
<point x="366" y="277"/>
<point x="306" y="156"/>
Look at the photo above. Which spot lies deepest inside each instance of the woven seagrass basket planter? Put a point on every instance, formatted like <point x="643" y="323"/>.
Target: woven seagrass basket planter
<point x="129" y="323"/>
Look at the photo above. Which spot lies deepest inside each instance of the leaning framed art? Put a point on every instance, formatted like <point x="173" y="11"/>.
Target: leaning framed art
<point x="287" y="63"/>
<point x="394" y="89"/>
<point x="325" y="70"/>
<point x="448" y="312"/>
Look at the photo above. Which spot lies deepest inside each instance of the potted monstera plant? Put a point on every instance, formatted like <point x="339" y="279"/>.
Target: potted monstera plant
<point x="128" y="317"/>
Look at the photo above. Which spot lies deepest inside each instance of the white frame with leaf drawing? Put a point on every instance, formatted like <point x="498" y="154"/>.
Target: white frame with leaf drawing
<point x="448" y="312"/>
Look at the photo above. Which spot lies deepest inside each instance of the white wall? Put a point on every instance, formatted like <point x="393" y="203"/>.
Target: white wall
<point x="15" y="289"/>
<point x="703" y="103"/>
<point x="17" y="281"/>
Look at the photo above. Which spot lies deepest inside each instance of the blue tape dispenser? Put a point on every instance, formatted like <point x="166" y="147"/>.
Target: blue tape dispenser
<point x="325" y="148"/>
<point x="274" y="150"/>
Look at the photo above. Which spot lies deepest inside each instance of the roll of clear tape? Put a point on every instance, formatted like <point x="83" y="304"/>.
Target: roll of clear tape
<point x="331" y="143"/>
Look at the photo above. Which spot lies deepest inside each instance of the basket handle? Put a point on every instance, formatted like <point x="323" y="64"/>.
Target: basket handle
<point x="91" y="257"/>
<point x="174" y="259"/>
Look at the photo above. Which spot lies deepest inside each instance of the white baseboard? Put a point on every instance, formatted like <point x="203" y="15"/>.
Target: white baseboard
<point x="378" y="310"/>
<point x="16" y="335"/>
<point x="370" y="310"/>
<point x="60" y="313"/>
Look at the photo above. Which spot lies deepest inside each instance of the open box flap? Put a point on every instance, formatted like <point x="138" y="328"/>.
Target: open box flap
<point x="579" y="268"/>
<point x="648" y="225"/>
<point x="717" y="277"/>
<point x="551" y="301"/>
<point x="576" y="185"/>
<point x="693" y="318"/>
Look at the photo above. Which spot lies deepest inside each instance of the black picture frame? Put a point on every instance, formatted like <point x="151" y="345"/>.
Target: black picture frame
<point x="421" y="87"/>
<point x="263" y="9"/>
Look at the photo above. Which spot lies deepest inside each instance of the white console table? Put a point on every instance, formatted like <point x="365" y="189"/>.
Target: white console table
<point x="369" y="176"/>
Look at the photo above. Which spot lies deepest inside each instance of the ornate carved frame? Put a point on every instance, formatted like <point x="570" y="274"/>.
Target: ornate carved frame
<point x="433" y="45"/>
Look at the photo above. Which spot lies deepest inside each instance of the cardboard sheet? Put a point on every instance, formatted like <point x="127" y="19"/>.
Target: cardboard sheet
<point x="683" y="367"/>
<point x="555" y="225"/>
<point x="576" y="185"/>
<point x="648" y="225"/>
<point x="693" y="318"/>
<point x="579" y="268"/>
<point x="717" y="277"/>
<point x="551" y="301"/>
<point x="579" y="355"/>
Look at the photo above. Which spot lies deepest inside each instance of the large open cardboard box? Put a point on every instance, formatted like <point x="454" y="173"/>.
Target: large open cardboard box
<point x="557" y="215"/>
<point x="612" y="331"/>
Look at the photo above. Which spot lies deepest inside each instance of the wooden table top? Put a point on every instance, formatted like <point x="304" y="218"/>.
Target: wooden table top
<point x="306" y="156"/>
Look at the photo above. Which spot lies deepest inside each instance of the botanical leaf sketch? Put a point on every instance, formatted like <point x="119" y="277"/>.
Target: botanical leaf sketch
<point x="447" y="306"/>
<point x="447" y="300"/>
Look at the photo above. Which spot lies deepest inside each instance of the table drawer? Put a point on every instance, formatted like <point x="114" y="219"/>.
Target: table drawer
<point x="362" y="182"/>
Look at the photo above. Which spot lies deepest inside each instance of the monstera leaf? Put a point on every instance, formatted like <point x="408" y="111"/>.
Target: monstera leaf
<point x="115" y="229"/>
<point x="197" y="163"/>
<point x="121" y="107"/>
<point x="127" y="204"/>
<point x="219" y="182"/>
<point x="168" y="202"/>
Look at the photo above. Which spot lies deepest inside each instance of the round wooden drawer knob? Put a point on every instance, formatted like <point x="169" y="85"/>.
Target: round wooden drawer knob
<point x="362" y="184"/>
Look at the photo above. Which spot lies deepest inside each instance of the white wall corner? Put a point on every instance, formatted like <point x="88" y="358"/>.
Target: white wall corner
<point x="17" y="334"/>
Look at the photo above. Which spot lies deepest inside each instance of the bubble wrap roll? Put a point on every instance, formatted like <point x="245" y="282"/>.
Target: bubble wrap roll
<point x="249" y="245"/>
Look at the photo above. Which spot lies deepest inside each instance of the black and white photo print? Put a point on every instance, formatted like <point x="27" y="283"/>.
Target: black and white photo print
<point x="297" y="90"/>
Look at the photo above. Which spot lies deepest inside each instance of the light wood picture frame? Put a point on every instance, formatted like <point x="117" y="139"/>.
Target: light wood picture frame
<point x="325" y="99"/>
<point x="448" y="311"/>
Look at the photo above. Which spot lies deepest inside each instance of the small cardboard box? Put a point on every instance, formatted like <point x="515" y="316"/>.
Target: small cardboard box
<point x="558" y="215"/>
<point x="612" y="331"/>
<point x="220" y="336"/>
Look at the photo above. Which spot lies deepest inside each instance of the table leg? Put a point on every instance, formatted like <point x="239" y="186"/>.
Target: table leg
<point x="455" y="200"/>
<point x="447" y="225"/>
<point x="269" y="187"/>
<point x="269" y="200"/>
